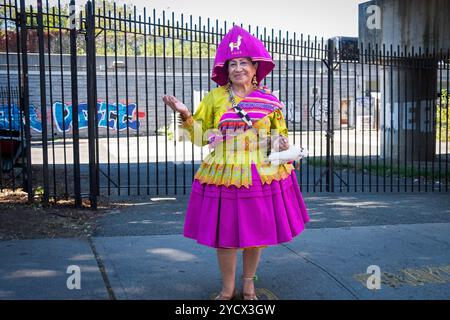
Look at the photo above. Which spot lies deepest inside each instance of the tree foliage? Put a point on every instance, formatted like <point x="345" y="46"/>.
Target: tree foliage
<point x="119" y="29"/>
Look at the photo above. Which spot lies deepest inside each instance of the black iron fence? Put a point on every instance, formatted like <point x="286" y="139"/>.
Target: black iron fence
<point x="81" y="113"/>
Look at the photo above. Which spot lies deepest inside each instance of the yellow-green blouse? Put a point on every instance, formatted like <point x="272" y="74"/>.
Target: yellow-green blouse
<point x="222" y="167"/>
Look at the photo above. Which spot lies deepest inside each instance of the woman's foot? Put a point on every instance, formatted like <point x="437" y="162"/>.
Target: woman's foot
<point x="226" y="295"/>
<point x="248" y="289"/>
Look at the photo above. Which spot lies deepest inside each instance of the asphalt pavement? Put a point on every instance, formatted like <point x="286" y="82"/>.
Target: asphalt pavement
<point x="357" y="246"/>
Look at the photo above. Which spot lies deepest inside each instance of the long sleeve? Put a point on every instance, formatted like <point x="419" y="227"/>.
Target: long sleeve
<point x="230" y="163"/>
<point x="278" y="123"/>
<point x="201" y="121"/>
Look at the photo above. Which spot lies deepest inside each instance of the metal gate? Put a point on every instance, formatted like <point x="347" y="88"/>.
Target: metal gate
<point x="81" y="111"/>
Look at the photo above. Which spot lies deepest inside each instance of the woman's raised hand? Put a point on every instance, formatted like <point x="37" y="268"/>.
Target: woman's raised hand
<point x="175" y="104"/>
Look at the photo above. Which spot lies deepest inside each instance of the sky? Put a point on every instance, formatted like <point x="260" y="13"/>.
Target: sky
<point x="322" y="18"/>
<point x="318" y="17"/>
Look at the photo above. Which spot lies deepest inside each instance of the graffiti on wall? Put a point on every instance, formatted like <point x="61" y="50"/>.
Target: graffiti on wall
<point x="108" y="116"/>
<point x="10" y="118"/>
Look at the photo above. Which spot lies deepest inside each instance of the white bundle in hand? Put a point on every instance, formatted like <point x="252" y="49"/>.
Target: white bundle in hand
<point x="294" y="153"/>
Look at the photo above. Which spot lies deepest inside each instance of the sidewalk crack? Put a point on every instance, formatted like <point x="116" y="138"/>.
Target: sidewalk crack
<point x="102" y="269"/>
<point x="324" y="270"/>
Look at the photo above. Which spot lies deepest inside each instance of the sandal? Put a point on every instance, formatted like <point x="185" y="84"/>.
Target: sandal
<point x="252" y="295"/>
<point x="221" y="296"/>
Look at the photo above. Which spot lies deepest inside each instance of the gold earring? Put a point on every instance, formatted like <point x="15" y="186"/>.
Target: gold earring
<point x="255" y="81"/>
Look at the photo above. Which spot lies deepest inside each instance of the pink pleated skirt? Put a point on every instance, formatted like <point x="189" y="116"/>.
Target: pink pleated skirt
<point x="232" y="217"/>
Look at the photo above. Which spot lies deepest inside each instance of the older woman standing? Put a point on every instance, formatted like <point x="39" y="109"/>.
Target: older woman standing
<point x="238" y="199"/>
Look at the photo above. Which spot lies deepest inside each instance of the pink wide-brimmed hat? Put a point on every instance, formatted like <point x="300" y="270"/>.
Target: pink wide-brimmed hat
<point x="238" y="43"/>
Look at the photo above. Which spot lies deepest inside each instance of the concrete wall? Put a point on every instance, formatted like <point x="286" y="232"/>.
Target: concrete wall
<point x="406" y="23"/>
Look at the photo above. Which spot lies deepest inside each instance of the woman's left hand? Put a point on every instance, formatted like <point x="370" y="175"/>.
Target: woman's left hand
<point x="280" y="143"/>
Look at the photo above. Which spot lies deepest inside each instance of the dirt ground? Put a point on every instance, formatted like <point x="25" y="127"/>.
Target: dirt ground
<point x="21" y="220"/>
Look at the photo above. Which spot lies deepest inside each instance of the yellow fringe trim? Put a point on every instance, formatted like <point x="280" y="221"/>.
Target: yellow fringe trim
<point x="284" y="171"/>
<point x="239" y="175"/>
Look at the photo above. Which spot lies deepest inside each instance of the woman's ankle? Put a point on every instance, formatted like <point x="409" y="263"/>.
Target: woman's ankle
<point x="228" y="288"/>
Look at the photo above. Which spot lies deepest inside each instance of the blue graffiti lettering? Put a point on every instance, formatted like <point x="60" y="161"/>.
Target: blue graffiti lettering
<point x="118" y="117"/>
<point x="10" y="118"/>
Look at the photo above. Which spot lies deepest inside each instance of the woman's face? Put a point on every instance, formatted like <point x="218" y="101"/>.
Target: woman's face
<point x="241" y="71"/>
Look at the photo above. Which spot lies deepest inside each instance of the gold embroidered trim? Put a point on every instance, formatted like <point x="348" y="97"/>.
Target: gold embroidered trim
<point x="208" y="173"/>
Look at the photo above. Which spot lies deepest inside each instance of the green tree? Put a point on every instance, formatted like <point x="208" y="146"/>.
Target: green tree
<point x="114" y="26"/>
<point x="117" y="28"/>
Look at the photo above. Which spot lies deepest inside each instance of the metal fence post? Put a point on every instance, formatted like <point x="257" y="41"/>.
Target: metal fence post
<point x="74" y="85"/>
<point x="329" y="173"/>
<point x="92" y="103"/>
<point x="43" y="101"/>
<point x="25" y="100"/>
<point x="330" y="117"/>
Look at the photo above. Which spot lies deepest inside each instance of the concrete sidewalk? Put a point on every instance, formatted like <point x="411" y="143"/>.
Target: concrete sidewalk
<point x="320" y="264"/>
<point x="324" y="262"/>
